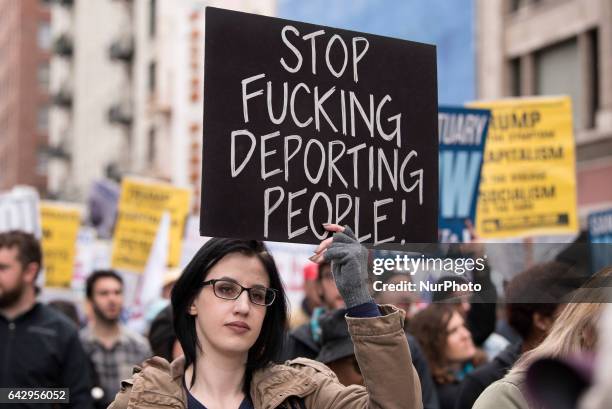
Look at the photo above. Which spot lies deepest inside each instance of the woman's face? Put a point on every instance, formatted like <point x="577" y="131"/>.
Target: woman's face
<point x="230" y="326"/>
<point x="459" y="345"/>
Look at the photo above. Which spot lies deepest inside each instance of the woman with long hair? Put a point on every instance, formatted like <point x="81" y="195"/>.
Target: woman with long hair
<point x="230" y="314"/>
<point x="448" y="347"/>
<point x="573" y="332"/>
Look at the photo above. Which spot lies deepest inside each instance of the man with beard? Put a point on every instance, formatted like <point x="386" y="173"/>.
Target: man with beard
<point x="112" y="348"/>
<point x="39" y="346"/>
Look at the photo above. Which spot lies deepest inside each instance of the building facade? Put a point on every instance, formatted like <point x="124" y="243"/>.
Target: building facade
<point x="90" y="84"/>
<point x="548" y="47"/>
<point x="25" y="45"/>
<point x="129" y="92"/>
<point x="171" y="110"/>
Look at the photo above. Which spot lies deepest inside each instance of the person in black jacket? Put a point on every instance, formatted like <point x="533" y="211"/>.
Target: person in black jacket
<point x="39" y="346"/>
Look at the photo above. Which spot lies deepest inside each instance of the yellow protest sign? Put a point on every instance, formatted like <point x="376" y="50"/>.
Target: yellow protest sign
<point x="141" y="206"/>
<point x="528" y="183"/>
<point x="60" y="225"/>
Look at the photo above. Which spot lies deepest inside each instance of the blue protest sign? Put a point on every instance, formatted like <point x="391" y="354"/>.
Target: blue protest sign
<point x="462" y="133"/>
<point x="600" y="237"/>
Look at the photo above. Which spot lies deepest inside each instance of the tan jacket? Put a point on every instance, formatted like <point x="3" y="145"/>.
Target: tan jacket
<point x="381" y="349"/>
<point x="506" y="393"/>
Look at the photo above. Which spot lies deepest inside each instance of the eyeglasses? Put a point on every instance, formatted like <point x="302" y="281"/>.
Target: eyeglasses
<point x="229" y="290"/>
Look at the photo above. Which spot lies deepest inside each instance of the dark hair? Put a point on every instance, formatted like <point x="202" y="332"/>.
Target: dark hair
<point x="95" y="276"/>
<point x="68" y="309"/>
<point x="268" y="345"/>
<point x="524" y="291"/>
<point x="448" y="295"/>
<point x="28" y="247"/>
<point x="161" y="334"/>
<point x="429" y="327"/>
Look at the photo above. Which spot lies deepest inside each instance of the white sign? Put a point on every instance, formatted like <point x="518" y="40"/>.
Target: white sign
<point x="19" y="210"/>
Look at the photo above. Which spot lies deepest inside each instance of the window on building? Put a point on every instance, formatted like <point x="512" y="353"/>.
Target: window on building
<point x="557" y="71"/>
<point x="152" y="18"/>
<point x="42" y="160"/>
<point x="593" y="76"/>
<point x="3" y="121"/>
<point x="43" y="75"/>
<point x="571" y="68"/>
<point x="44" y="35"/>
<point x="514" y="5"/>
<point x="152" y="74"/>
<point x="515" y="77"/>
<point x="152" y="146"/>
<point x="42" y="120"/>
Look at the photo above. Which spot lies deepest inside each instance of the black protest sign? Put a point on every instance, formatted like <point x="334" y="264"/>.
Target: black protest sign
<point x="305" y="124"/>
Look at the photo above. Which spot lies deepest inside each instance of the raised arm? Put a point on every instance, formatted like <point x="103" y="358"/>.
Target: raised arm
<point x="381" y="347"/>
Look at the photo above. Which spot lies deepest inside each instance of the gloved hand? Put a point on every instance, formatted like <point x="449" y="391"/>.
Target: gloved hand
<point x="349" y="261"/>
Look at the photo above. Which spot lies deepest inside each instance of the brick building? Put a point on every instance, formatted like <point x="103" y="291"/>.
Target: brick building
<point x="25" y="45"/>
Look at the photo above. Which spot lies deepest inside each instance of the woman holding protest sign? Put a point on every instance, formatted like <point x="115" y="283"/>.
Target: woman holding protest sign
<point x="230" y="339"/>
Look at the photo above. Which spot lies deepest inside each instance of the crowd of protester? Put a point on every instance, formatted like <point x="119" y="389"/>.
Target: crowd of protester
<point x="466" y="353"/>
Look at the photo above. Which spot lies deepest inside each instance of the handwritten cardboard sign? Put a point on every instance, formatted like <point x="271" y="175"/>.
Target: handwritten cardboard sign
<point x="305" y="124"/>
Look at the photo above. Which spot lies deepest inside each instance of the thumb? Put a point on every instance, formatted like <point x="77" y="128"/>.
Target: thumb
<point x="349" y="232"/>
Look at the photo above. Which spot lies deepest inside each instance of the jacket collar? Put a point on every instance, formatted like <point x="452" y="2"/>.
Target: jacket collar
<point x="177" y="368"/>
<point x="24" y="315"/>
<point x="270" y="386"/>
<point x="275" y="383"/>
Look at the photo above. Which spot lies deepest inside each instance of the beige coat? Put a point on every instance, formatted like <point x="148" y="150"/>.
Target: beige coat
<point x="506" y="393"/>
<point x="381" y="349"/>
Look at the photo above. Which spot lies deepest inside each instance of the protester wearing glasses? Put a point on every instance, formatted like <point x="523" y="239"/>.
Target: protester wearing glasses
<point x="230" y="315"/>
